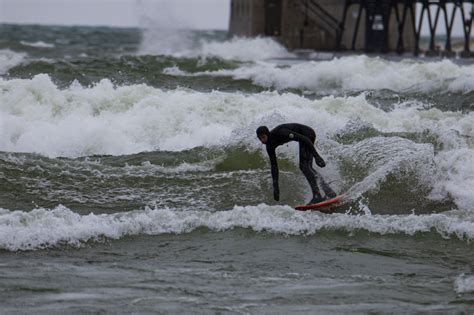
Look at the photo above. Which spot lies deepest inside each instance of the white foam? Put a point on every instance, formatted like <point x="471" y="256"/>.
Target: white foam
<point x="464" y="284"/>
<point x="455" y="177"/>
<point x="146" y="168"/>
<point x="358" y="73"/>
<point x="38" y="44"/>
<point x="39" y="117"/>
<point x="9" y="59"/>
<point x="180" y="43"/>
<point x="260" y="48"/>
<point x="176" y="71"/>
<point x="42" y="228"/>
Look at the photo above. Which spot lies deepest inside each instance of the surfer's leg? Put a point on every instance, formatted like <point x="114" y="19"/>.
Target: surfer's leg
<point x="327" y="190"/>
<point x="306" y="161"/>
<point x="329" y="193"/>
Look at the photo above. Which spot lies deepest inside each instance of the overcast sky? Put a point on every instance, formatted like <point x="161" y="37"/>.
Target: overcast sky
<point x="198" y="14"/>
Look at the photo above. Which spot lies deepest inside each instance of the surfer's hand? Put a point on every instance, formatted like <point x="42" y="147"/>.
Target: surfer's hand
<point x="319" y="161"/>
<point x="276" y="193"/>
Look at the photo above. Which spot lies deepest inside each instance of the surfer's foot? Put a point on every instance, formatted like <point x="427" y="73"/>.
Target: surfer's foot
<point x="316" y="199"/>
<point x="330" y="194"/>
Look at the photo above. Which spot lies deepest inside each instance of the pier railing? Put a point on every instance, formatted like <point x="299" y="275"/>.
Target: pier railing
<point x="379" y="12"/>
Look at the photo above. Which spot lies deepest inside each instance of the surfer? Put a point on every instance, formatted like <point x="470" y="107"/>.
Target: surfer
<point x="305" y="136"/>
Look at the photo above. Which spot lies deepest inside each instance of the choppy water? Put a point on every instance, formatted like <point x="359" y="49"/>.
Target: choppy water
<point x="131" y="179"/>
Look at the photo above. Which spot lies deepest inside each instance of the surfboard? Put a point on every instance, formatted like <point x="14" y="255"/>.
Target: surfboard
<point x="322" y="206"/>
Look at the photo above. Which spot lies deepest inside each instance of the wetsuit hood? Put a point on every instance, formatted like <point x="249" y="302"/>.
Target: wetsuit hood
<point x="263" y="130"/>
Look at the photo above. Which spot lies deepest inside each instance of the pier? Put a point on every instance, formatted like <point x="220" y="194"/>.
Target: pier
<point x="374" y="26"/>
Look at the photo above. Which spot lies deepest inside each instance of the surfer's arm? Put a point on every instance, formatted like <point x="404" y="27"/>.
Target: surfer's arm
<point x="307" y="142"/>
<point x="274" y="169"/>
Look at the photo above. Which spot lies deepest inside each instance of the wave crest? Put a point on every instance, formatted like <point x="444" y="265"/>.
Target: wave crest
<point x="43" y="228"/>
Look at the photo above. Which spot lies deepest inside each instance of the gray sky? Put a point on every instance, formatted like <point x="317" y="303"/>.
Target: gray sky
<point x="198" y="14"/>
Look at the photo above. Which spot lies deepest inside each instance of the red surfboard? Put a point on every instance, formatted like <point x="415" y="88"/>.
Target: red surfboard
<point x="323" y="205"/>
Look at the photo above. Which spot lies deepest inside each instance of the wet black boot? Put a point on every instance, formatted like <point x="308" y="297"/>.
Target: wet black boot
<point x="330" y="193"/>
<point x="316" y="199"/>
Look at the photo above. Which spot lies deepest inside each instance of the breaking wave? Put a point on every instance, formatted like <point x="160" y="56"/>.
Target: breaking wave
<point x="356" y="73"/>
<point x="9" y="59"/>
<point x="43" y="228"/>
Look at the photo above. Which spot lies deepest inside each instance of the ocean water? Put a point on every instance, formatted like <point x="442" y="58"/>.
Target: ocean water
<point x="131" y="179"/>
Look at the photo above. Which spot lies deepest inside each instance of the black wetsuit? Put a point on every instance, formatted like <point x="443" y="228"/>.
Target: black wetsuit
<point x="305" y="136"/>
